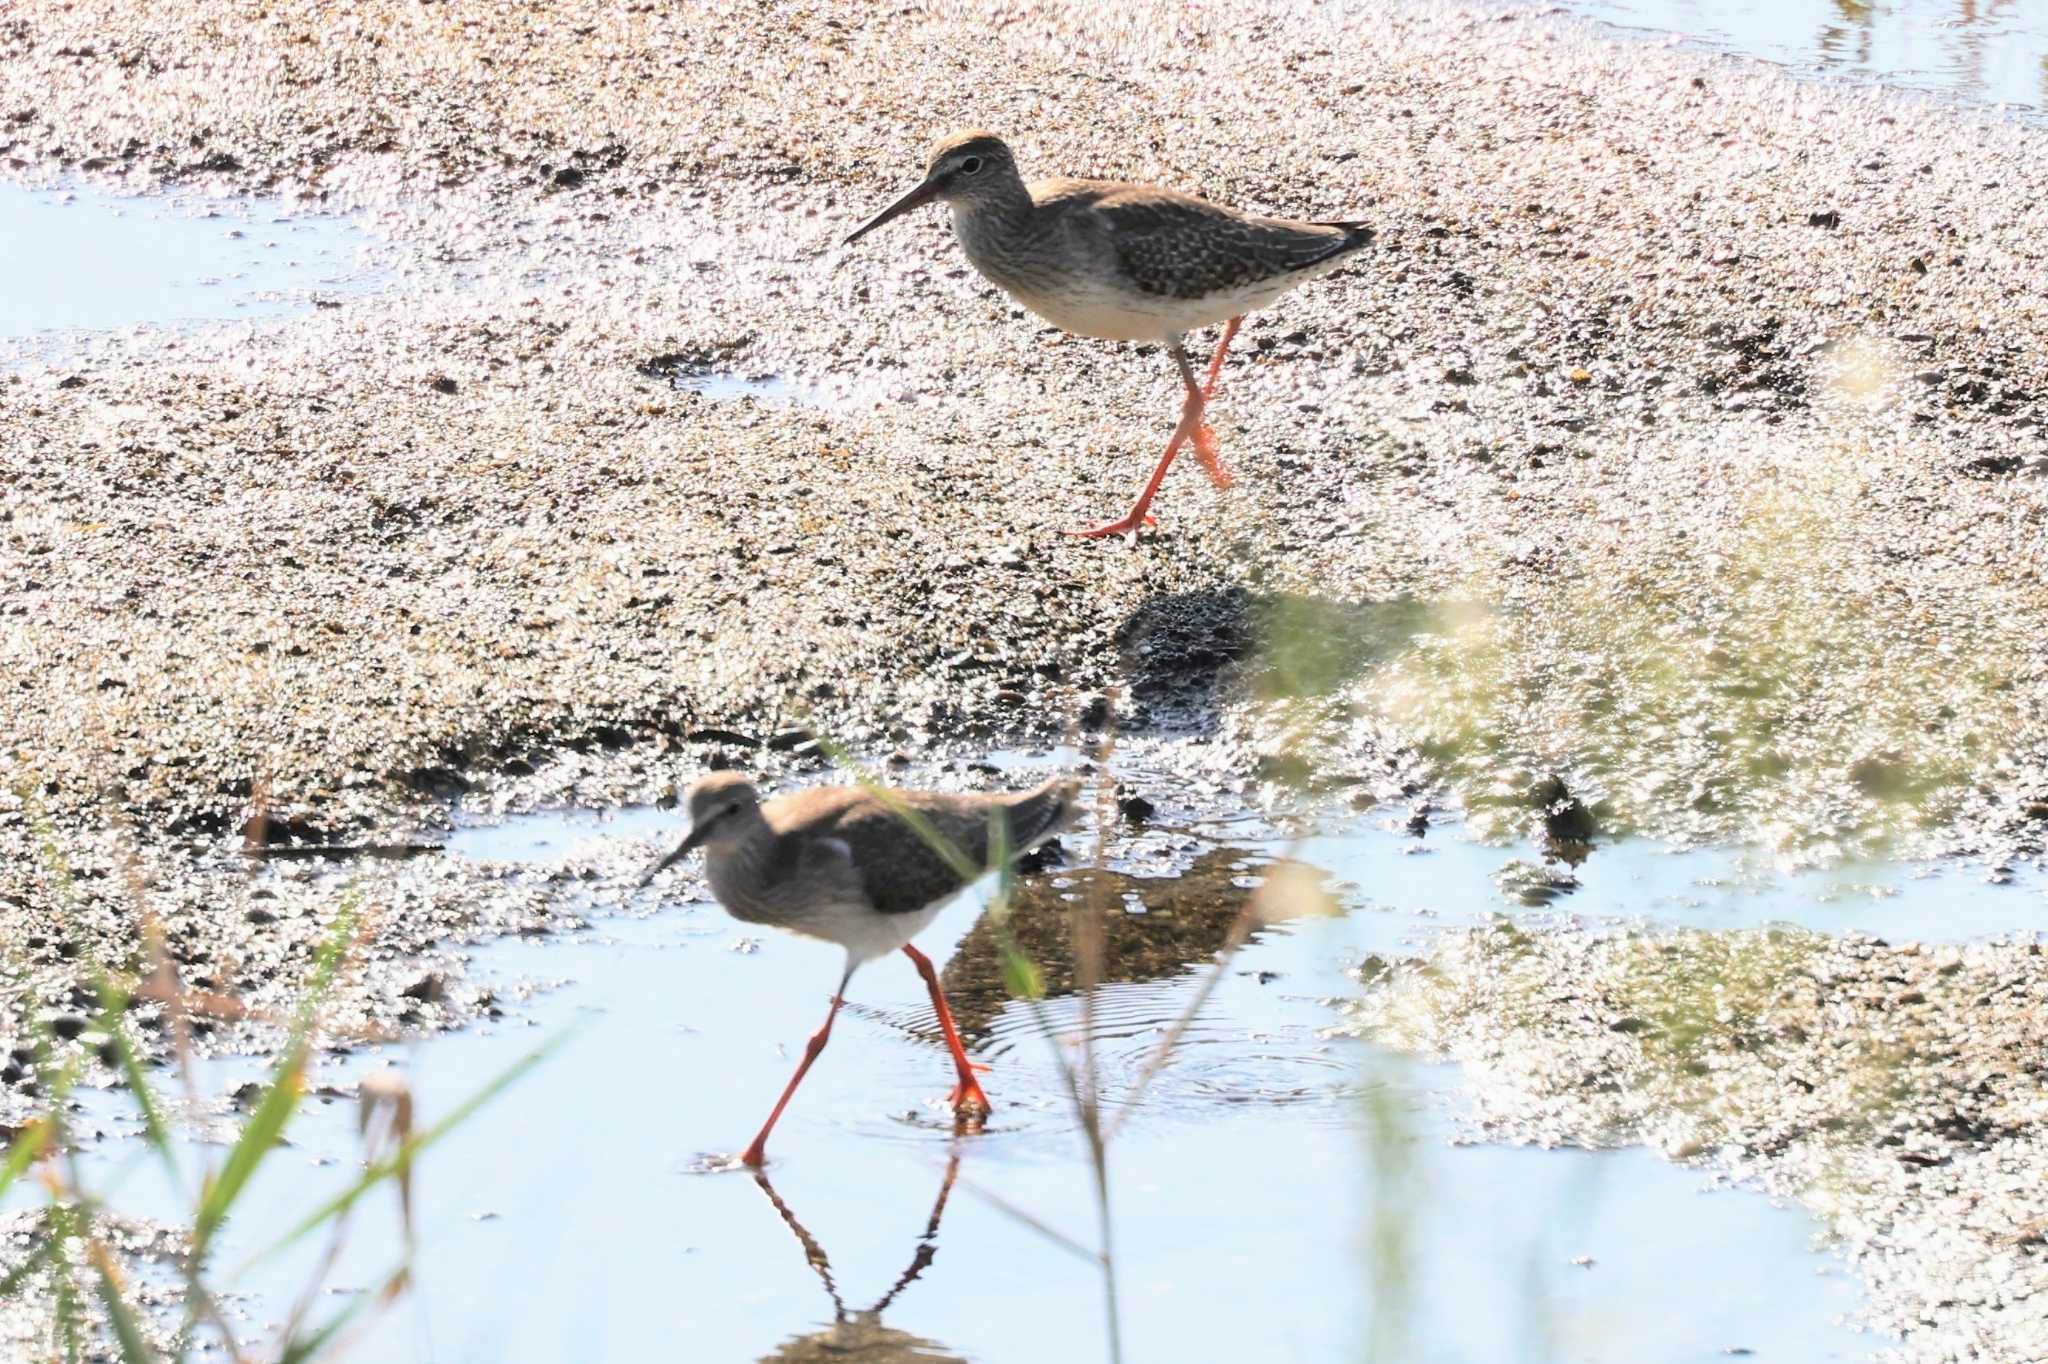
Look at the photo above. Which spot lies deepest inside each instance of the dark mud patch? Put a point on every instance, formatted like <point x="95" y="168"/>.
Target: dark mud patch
<point x="1154" y="928"/>
<point x="1187" y="656"/>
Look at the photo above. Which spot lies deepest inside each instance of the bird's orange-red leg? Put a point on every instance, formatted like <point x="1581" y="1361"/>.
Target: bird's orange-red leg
<point x="1206" y="449"/>
<point x="757" y="1154"/>
<point x="1128" y="524"/>
<point x="966" y="1098"/>
<point x="1190" y="428"/>
<point x="1216" y="362"/>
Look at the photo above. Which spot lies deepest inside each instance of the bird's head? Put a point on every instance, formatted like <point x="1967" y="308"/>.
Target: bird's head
<point x="965" y="169"/>
<point x="723" y="806"/>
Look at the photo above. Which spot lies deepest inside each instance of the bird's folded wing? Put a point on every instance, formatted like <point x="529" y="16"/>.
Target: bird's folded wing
<point x="1177" y="246"/>
<point x="899" y="871"/>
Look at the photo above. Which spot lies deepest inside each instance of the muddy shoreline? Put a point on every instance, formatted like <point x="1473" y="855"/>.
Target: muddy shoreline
<point x="1685" y="437"/>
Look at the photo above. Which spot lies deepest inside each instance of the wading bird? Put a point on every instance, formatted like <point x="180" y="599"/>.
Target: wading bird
<point x="1124" y="262"/>
<point x="844" y="864"/>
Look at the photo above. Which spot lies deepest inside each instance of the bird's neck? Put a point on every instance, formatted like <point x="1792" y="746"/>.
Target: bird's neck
<point x="999" y="214"/>
<point x="739" y="862"/>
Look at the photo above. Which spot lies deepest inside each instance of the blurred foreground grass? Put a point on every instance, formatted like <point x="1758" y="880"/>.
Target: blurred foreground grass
<point x="78" y="1276"/>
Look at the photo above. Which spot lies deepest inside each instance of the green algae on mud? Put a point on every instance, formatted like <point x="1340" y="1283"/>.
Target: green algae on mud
<point x="1883" y="1086"/>
<point x="1775" y="680"/>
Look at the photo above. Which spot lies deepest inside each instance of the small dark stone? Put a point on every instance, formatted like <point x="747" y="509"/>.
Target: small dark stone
<point x="1136" y="809"/>
<point x="722" y="736"/>
<point x="1828" y="219"/>
<point x="1046" y="854"/>
<point x="441" y="383"/>
<point x="428" y="989"/>
<point x="68" y="1026"/>
<point x="260" y="916"/>
<point x="1565" y="817"/>
<point x="788" y="739"/>
<point x="1096" y="712"/>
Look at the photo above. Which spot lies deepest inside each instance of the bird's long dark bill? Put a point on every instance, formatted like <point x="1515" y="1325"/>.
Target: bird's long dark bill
<point x="689" y="846"/>
<point x="919" y="196"/>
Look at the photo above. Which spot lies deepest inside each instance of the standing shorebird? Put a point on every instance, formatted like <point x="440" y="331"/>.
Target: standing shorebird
<point x="1125" y="263"/>
<point x="842" y="864"/>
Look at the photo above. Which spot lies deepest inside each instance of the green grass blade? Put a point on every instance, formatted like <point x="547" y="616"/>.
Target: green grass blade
<point x="20" y="1273"/>
<point x="65" y="1325"/>
<point x="22" y="1154"/>
<point x="403" y="1157"/>
<point x="127" y="1332"/>
<point x="153" y="1125"/>
<point x="307" y="1348"/>
<point x="260" y="1135"/>
<point x="258" y="1138"/>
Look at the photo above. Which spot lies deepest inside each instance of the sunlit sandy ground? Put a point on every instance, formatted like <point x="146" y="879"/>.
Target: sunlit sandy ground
<point x="1683" y="438"/>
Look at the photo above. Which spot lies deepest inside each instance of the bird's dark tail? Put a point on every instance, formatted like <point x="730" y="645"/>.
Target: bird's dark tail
<point x="1037" y="815"/>
<point x="1355" y="234"/>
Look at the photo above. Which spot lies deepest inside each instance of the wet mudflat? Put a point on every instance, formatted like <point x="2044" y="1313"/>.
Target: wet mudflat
<point x="1718" y="500"/>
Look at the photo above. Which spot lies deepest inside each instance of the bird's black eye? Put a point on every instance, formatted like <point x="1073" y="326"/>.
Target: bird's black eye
<point x="970" y="165"/>
<point x="733" y="808"/>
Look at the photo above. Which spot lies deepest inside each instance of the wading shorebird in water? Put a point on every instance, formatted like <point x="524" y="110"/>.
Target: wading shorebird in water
<point x="842" y="864"/>
<point x="1124" y="262"/>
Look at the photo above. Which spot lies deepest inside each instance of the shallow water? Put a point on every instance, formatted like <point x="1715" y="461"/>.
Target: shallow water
<point x="568" y="1222"/>
<point x="772" y="389"/>
<point x="1316" y="1184"/>
<point x="1994" y="50"/>
<point x="80" y="260"/>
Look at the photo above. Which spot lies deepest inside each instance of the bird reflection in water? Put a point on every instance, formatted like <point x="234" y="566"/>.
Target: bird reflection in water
<point x="859" y="1335"/>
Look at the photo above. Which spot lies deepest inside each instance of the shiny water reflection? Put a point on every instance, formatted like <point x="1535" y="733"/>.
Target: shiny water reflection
<point x="1980" y="49"/>
<point x="858" y="1333"/>
<point x="104" y="261"/>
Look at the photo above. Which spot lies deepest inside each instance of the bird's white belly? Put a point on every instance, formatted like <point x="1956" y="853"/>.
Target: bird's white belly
<point x="1113" y="315"/>
<point x="863" y="931"/>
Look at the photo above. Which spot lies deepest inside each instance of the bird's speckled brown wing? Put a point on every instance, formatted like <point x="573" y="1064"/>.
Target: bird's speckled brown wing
<point x="900" y="872"/>
<point x="1177" y="246"/>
